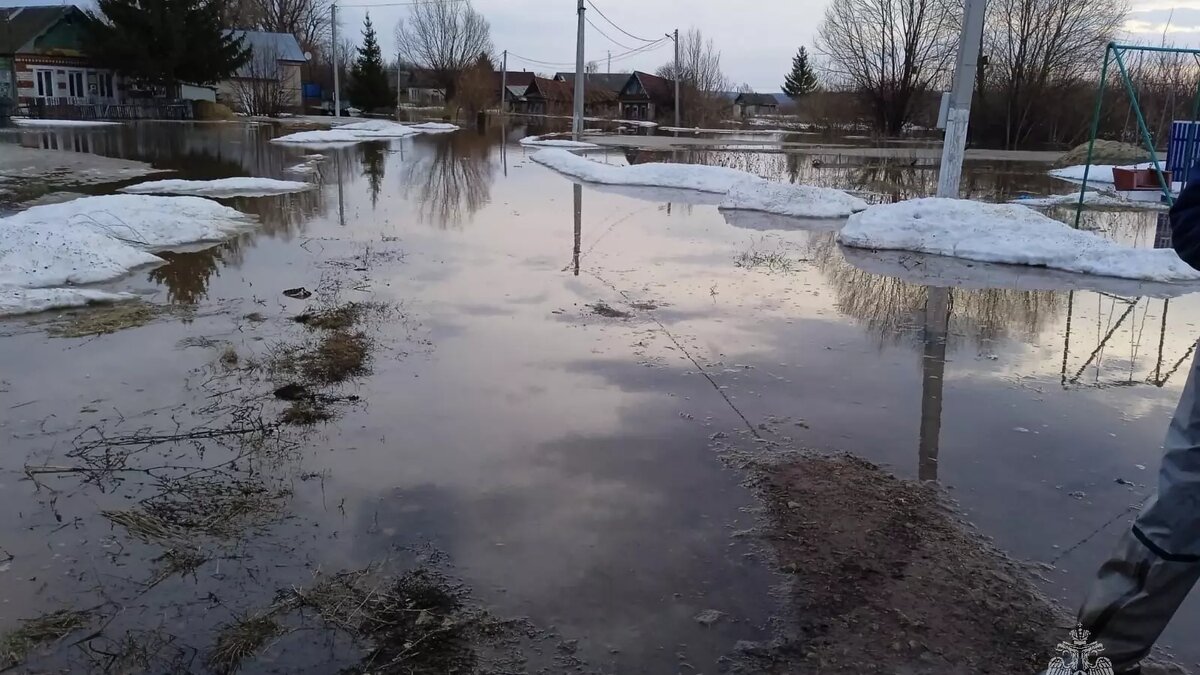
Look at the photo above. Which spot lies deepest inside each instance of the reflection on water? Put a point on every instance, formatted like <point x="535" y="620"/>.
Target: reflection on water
<point x="451" y="177"/>
<point x="933" y="369"/>
<point x="371" y="155"/>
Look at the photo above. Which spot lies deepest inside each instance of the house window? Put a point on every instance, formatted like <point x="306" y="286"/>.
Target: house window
<point x="45" y="83"/>
<point x="75" y="84"/>
<point x="103" y="85"/>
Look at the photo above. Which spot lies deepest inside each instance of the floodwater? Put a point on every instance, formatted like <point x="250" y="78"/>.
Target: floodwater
<point x="558" y="462"/>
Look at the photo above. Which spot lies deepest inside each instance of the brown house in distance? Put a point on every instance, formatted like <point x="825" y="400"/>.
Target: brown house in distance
<point x="647" y="97"/>
<point x="554" y="97"/>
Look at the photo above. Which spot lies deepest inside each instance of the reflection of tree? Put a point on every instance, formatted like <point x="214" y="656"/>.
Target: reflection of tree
<point x="454" y="176"/>
<point x="373" y="168"/>
<point x="186" y="275"/>
<point x="892" y="309"/>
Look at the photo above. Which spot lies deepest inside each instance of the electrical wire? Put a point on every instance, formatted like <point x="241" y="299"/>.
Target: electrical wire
<point x="411" y="3"/>
<point x="615" y="25"/>
<point x="622" y="46"/>
<point x="632" y="52"/>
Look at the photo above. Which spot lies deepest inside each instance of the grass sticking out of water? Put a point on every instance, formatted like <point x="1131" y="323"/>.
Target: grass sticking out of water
<point x="240" y="640"/>
<point x="103" y="319"/>
<point x="15" y="646"/>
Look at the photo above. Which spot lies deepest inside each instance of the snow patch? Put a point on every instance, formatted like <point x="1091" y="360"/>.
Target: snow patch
<point x="1099" y="173"/>
<point x="1005" y="233"/>
<point x="741" y="190"/>
<point x="378" y="129"/>
<point x="1090" y="198"/>
<point x="26" y="122"/>
<point x="435" y="127"/>
<point x="685" y="176"/>
<point x="32" y="300"/>
<point x="323" y="137"/>
<point x="94" y="239"/>
<point x="541" y="142"/>
<point x="222" y="187"/>
<point x="789" y="199"/>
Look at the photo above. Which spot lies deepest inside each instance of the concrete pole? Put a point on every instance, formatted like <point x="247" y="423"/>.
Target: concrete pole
<point x="609" y="62"/>
<point x="577" y="123"/>
<point x="337" y="91"/>
<point x="398" y="85"/>
<point x="503" y="81"/>
<point x="959" y="115"/>
<point x="677" y="102"/>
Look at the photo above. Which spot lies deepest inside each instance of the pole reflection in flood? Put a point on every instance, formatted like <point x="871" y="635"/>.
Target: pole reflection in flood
<point x="578" y="189"/>
<point x="933" y="368"/>
<point x="337" y="157"/>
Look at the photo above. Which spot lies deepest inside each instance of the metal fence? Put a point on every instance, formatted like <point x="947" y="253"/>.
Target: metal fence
<point x="72" y="109"/>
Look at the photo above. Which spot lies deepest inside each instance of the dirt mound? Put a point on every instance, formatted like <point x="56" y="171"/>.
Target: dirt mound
<point x="882" y="579"/>
<point x="1105" y="152"/>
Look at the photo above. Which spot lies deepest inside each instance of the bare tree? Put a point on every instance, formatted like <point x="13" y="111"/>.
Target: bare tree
<point x="1036" y="45"/>
<point x="890" y="51"/>
<point x="702" y="84"/>
<point x="446" y="38"/>
<point x="262" y="87"/>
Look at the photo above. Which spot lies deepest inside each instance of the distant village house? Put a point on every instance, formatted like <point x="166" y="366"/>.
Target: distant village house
<point x="273" y="69"/>
<point x="42" y="59"/>
<point x="753" y="105"/>
<point x="647" y="97"/>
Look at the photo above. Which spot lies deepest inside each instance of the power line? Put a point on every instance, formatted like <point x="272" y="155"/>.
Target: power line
<point x="615" y="25"/>
<point x="622" y="46"/>
<point x="412" y="3"/>
<point x="632" y="52"/>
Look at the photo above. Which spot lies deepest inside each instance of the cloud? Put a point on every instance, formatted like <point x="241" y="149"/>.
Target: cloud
<point x="1139" y="27"/>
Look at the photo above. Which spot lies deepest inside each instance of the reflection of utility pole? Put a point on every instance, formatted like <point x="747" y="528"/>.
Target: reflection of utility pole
<point x="933" y="368"/>
<point x="337" y="158"/>
<point x="578" y="226"/>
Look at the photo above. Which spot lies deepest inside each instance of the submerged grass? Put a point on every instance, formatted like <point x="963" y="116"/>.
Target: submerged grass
<point x="103" y="319"/>
<point x="772" y="262"/>
<point x="15" y="646"/>
<point x="213" y="508"/>
<point x="338" y="317"/>
<point x="336" y="357"/>
<point x="240" y="640"/>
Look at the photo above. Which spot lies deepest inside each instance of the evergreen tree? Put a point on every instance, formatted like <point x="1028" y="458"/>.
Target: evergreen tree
<point x="163" y="42"/>
<point x="802" y="80"/>
<point x="369" y="87"/>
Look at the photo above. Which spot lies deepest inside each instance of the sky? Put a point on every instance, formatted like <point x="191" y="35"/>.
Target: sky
<point x="756" y="46"/>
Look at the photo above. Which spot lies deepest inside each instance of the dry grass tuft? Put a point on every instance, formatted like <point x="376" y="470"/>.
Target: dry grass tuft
<point x="240" y="640"/>
<point x="223" y="510"/>
<point x="101" y="320"/>
<point x="15" y="646"/>
<point x="306" y="412"/>
<point x="339" y="317"/>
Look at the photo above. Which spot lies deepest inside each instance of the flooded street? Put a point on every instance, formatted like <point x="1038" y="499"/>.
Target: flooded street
<point x="552" y="380"/>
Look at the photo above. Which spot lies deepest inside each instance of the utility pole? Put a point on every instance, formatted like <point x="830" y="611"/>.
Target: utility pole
<point x="677" y="74"/>
<point x="609" y="62"/>
<point x="577" y="123"/>
<point x="958" y="116"/>
<point x="503" y="82"/>
<point x="337" y="92"/>
<point x="398" y="87"/>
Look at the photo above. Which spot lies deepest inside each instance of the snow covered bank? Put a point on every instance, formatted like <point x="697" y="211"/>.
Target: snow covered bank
<point x="1005" y="233"/>
<point x="742" y="190"/>
<point x="223" y="187"/>
<point x="1091" y="199"/>
<point x="1099" y="173"/>
<point x="357" y="132"/>
<point x="94" y="239"/>
<point x="540" y="142"/>
<point x="15" y="301"/>
<point x="685" y="176"/>
<point x="435" y="127"/>
<point x="25" y="122"/>
<point x="788" y="199"/>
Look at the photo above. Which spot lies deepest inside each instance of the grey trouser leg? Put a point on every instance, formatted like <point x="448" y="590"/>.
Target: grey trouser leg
<point x="1157" y="562"/>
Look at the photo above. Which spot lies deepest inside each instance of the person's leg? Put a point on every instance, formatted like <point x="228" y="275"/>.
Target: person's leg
<point x="1157" y="562"/>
